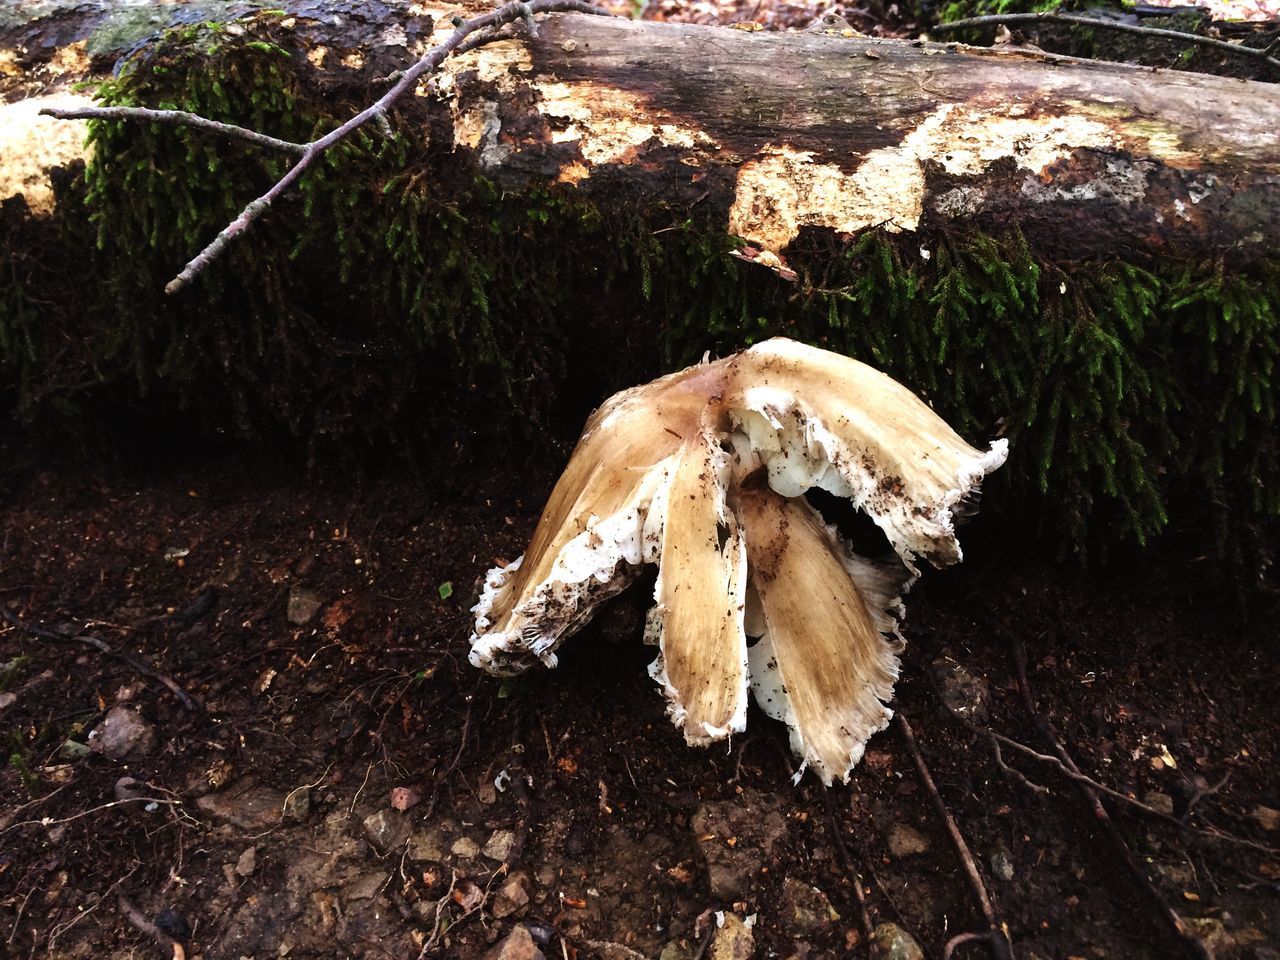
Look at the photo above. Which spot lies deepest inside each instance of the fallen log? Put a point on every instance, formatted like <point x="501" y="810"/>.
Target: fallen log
<point x="777" y="132"/>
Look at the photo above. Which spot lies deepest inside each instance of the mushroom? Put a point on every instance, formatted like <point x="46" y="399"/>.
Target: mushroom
<point x="703" y="472"/>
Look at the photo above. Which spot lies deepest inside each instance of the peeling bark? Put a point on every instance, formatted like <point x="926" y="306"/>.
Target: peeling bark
<point x="786" y="131"/>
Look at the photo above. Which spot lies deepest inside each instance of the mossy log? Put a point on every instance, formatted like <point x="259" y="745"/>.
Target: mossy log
<point x="1078" y="256"/>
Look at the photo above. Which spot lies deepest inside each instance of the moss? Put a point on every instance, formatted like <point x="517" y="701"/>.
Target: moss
<point x="1129" y="395"/>
<point x="400" y="299"/>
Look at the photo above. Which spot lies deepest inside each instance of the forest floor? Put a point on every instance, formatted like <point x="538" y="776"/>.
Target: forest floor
<point x="321" y="630"/>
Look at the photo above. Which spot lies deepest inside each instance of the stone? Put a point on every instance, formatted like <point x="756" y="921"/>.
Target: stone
<point x="966" y="695"/>
<point x="8" y="699"/>
<point x="1212" y="934"/>
<point x="737" y="838"/>
<point x="518" y="945"/>
<point x="405" y="798"/>
<point x="512" y="897"/>
<point x="733" y="939"/>
<point x="365" y="886"/>
<point x="297" y="805"/>
<point x="74" y="750"/>
<point x="247" y="863"/>
<point x="1161" y="802"/>
<point x="123" y="735"/>
<point x="1179" y="874"/>
<point x="386" y="829"/>
<point x="675" y="950"/>
<point x="304" y="604"/>
<point x="426" y="843"/>
<point x="499" y="845"/>
<point x="1265" y="817"/>
<point x="245" y="805"/>
<point x="906" y="841"/>
<point x="1001" y="865"/>
<point x="806" y="909"/>
<point x="466" y="848"/>
<point x="890" y="942"/>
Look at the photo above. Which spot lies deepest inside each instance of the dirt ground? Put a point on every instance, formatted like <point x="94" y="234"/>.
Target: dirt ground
<point x="320" y="628"/>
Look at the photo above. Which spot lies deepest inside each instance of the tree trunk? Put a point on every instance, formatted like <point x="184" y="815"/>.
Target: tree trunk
<point x="778" y="132"/>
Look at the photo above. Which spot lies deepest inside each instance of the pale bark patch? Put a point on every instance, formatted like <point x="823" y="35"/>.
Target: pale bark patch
<point x="31" y="146"/>
<point x="784" y="189"/>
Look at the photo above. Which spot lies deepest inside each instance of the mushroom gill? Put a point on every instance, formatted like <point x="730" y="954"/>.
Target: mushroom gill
<point x="703" y="473"/>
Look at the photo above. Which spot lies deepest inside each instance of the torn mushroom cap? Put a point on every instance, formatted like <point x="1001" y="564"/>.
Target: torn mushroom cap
<point x="822" y="420"/>
<point x="590" y="539"/>
<point x="824" y="662"/>
<point x="646" y="483"/>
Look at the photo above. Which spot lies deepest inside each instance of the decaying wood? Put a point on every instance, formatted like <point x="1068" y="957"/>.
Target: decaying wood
<point x="774" y="133"/>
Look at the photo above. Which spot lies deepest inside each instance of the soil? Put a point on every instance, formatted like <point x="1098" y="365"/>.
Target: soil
<point x="321" y="627"/>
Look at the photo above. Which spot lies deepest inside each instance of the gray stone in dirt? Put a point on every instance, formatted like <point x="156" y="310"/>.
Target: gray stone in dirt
<point x="123" y="735"/>
<point x="518" y="945"/>
<point x="1159" y="801"/>
<point x="73" y="750"/>
<point x="466" y="848"/>
<point x="426" y="843"/>
<point x="890" y="942"/>
<point x="512" y="897"/>
<point x="304" y="603"/>
<point x="499" y="845"/>
<point x="1001" y="865"/>
<point x="806" y="909"/>
<point x="674" y="950"/>
<point x="8" y="699"/>
<point x="247" y="863"/>
<point x="737" y="838"/>
<point x="967" y="695"/>
<point x="297" y="805"/>
<point x="733" y="939"/>
<point x="128" y="788"/>
<point x="905" y="840"/>
<point x="244" y="804"/>
<point x="386" y="829"/>
<point x="365" y="886"/>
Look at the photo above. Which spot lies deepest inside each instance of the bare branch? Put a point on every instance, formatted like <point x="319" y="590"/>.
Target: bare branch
<point x="430" y="62"/>
<point x="177" y="118"/>
<point x="1256" y="53"/>
<point x="467" y="35"/>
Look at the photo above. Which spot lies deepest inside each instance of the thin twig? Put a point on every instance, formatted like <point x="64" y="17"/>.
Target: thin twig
<point x="177" y="118"/>
<point x="486" y="25"/>
<point x="1074" y="774"/>
<point x="50" y="822"/>
<point x="59" y="930"/>
<point x="850" y="868"/>
<point x="1193" y="945"/>
<point x="995" y="935"/>
<point x="102" y="646"/>
<point x="1257" y="53"/>
<point x="1017" y="776"/>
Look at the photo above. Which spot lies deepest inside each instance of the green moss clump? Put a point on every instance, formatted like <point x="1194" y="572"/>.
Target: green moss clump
<point x="399" y="298"/>
<point x="1130" y="396"/>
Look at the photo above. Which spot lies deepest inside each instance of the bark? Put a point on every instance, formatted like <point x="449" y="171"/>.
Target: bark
<point x="773" y="133"/>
